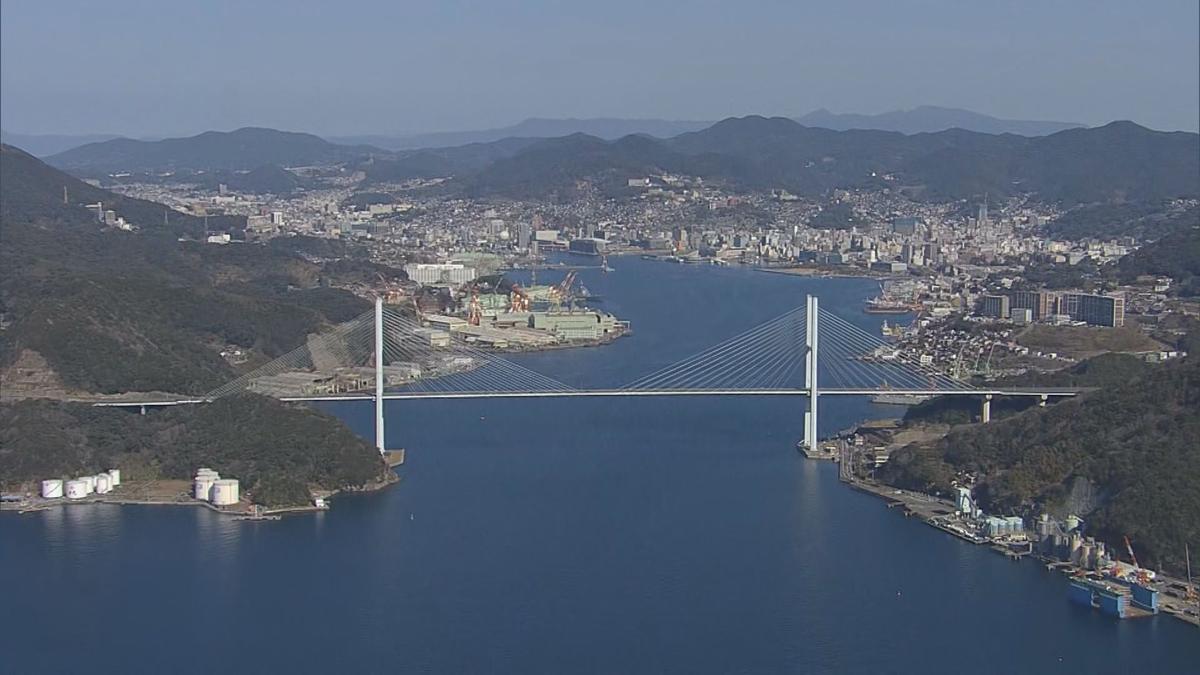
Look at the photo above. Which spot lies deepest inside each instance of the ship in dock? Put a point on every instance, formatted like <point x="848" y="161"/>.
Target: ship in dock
<point x="899" y="399"/>
<point x="879" y="305"/>
<point x="1119" y="600"/>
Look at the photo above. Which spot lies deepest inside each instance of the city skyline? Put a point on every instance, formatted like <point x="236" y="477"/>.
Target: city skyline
<point x="375" y="68"/>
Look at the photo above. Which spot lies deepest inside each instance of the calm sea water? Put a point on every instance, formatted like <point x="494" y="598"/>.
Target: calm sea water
<point x="645" y="535"/>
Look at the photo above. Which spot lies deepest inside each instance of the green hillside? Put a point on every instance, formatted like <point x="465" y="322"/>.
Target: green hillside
<point x="113" y="311"/>
<point x="276" y="450"/>
<point x="1131" y="446"/>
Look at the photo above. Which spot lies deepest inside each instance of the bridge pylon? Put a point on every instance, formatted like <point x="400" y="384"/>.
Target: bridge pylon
<point x="811" y="311"/>
<point x="379" y="429"/>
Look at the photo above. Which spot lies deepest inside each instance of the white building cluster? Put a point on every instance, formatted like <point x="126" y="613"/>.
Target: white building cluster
<point x="78" y="488"/>
<point x="210" y="487"/>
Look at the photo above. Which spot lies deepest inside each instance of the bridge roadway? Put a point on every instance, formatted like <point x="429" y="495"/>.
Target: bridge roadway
<point x="579" y="393"/>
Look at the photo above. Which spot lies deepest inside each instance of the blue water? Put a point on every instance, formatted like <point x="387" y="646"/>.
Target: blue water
<point x="650" y="535"/>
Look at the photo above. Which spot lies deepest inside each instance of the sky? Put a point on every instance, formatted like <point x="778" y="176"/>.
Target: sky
<point x="159" y="67"/>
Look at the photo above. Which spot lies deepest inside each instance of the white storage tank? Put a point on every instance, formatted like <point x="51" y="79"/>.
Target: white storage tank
<point x="103" y="484"/>
<point x="52" y="489"/>
<point x="202" y="487"/>
<point x="225" y="492"/>
<point x="89" y="483"/>
<point x="114" y="475"/>
<point x="76" y="489"/>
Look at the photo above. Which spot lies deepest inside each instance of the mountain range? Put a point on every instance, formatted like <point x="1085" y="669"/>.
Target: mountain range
<point x="930" y="119"/>
<point x="1120" y="161"/>
<point x="609" y="128"/>
<point x="44" y="145"/>
<point x="922" y="119"/>
<point x="916" y="120"/>
<point x="244" y="149"/>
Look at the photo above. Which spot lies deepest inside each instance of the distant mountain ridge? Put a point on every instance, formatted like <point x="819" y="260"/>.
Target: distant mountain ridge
<point x="922" y="119"/>
<point x="243" y="149"/>
<point x="608" y="128"/>
<point x="44" y="145"/>
<point x="1119" y="161"/>
<point x="932" y="119"/>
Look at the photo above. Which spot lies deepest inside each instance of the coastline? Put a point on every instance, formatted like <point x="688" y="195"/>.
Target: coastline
<point x="173" y="492"/>
<point x="935" y="512"/>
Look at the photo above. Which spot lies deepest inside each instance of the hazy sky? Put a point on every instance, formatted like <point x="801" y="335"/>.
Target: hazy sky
<point x="141" y="67"/>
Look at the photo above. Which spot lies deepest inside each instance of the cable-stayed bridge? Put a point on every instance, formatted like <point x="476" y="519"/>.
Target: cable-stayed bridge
<point x="808" y="351"/>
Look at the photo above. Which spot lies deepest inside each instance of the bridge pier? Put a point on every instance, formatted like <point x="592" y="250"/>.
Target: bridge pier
<point x="810" y="373"/>
<point x="986" y="414"/>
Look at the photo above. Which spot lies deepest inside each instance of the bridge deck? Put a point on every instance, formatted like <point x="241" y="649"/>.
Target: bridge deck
<point x="580" y="393"/>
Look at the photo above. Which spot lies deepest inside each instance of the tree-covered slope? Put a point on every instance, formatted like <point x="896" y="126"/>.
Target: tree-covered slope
<point x="277" y="451"/>
<point x="112" y="311"/>
<point x="1131" y="446"/>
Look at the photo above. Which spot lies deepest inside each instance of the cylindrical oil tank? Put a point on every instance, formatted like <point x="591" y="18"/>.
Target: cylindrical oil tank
<point x="52" y="489"/>
<point x="1085" y="555"/>
<point x="103" y="483"/>
<point x="114" y="475"/>
<point x="225" y="492"/>
<point x="89" y="483"/>
<point x="76" y="489"/>
<point x="202" y="487"/>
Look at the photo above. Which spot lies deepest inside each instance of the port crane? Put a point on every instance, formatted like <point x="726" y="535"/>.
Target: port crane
<point x="1190" y="593"/>
<point x="474" y="309"/>
<point x="518" y="299"/>
<point x="391" y="294"/>
<point x="1138" y="572"/>
<point x="561" y="292"/>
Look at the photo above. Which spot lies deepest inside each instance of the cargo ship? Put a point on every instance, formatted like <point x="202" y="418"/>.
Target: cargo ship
<point x="886" y="306"/>
<point x="1117" y="600"/>
<point x="899" y="399"/>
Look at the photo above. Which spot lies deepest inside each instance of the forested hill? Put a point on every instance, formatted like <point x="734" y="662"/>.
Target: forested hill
<point x="1125" y="458"/>
<point x="244" y="149"/>
<point x="105" y="311"/>
<point x="1176" y="256"/>
<point x="277" y="451"/>
<point x="34" y="192"/>
<point x="1120" y="161"/>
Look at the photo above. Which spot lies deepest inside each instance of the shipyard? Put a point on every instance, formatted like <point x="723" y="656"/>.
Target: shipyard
<point x="1101" y="578"/>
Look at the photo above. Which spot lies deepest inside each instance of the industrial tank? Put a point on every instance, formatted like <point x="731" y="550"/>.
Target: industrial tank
<point x="52" y="489"/>
<point x="202" y="487"/>
<point x="115" y="476"/>
<point x="76" y="489"/>
<point x="225" y="492"/>
<point x="103" y="484"/>
<point x="89" y="483"/>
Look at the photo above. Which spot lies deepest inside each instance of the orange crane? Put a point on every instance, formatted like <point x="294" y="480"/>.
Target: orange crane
<point x="562" y="291"/>
<point x="391" y="295"/>
<point x="518" y="299"/>
<point x="1138" y="572"/>
<point x="474" y="310"/>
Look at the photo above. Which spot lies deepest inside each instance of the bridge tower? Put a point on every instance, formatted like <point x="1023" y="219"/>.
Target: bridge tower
<point x="810" y="372"/>
<point x="379" y="431"/>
